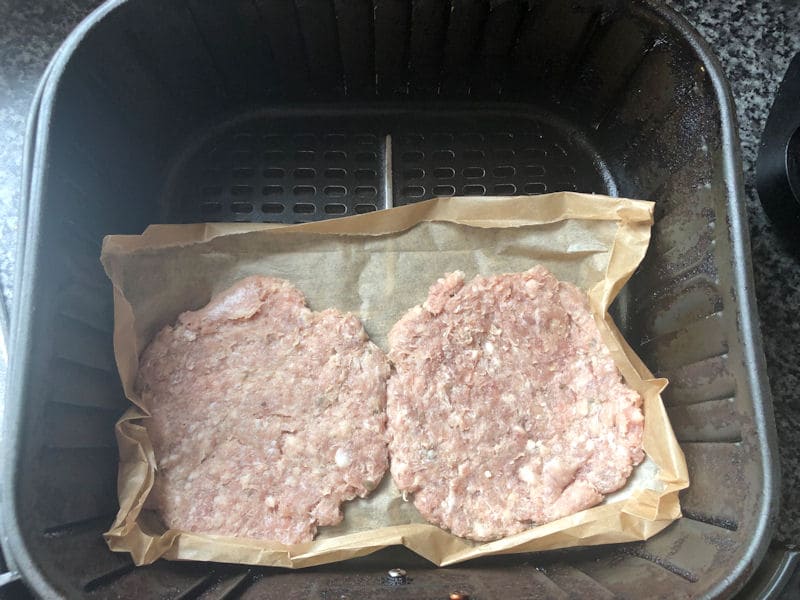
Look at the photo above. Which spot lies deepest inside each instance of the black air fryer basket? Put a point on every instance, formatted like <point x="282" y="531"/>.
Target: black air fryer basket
<point x="298" y="110"/>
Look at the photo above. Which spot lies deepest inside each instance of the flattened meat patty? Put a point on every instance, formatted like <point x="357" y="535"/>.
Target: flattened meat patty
<point x="266" y="416"/>
<point x="506" y="409"/>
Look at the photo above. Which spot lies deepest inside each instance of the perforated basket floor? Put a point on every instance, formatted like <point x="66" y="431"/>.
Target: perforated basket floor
<point x="294" y="168"/>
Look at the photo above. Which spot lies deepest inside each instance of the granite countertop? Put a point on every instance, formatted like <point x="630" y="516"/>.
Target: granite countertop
<point x="755" y="39"/>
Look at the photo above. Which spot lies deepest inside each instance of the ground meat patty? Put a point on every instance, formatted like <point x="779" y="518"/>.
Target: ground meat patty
<point x="266" y="416"/>
<point x="506" y="409"/>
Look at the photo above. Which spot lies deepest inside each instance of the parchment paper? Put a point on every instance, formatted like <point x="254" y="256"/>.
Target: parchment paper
<point x="378" y="266"/>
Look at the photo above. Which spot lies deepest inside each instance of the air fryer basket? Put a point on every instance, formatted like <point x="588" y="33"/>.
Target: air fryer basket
<point x="281" y="110"/>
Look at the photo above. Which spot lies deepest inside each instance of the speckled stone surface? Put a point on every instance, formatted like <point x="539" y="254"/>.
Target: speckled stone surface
<point x="754" y="39"/>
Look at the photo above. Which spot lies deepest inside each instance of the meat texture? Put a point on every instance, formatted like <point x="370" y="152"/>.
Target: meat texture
<point x="266" y="416"/>
<point x="506" y="409"/>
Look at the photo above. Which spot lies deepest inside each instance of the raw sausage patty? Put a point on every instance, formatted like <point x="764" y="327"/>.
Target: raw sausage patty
<point x="506" y="409"/>
<point x="266" y="416"/>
